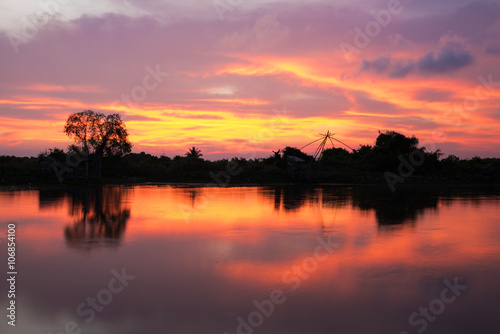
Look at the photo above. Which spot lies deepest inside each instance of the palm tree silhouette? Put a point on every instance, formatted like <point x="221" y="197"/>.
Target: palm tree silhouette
<point x="194" y="153"/>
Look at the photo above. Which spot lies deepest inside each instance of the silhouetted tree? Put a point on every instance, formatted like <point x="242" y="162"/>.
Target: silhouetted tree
<point x="98" y="135"/>
<point x="396" y="143"/>
<point x="293" y="151"/>
<point x="55" y="153"/>
<point x="194" y="153"/>
<point x="336" y="155"/>
<point x="390" y="145"/>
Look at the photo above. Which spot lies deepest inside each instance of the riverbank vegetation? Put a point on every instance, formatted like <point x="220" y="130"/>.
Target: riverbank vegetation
<point x="368" y="164"/>
<point x="102" y="153"/>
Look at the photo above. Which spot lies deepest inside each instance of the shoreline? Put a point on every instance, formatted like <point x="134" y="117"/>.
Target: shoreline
<point x="28" y="186"/>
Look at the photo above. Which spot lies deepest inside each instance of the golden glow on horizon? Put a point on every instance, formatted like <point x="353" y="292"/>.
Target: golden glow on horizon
<point x="222" y="121"/>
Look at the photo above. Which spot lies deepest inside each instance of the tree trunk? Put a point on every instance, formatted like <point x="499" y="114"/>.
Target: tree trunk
<point x="97" y="166"/>
<point x="86" y="167"/>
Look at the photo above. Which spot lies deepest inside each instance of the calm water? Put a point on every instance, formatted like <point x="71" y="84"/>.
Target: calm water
<point x="254" y="260"/>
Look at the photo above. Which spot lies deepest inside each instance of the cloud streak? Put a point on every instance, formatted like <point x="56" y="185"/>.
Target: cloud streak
<point x="226" y="77"/>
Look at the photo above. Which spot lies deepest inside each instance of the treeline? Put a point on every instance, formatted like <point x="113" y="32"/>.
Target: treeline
<point x="393" y="158"/>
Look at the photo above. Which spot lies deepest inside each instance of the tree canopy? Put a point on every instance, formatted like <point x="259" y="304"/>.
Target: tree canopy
<point x="96" y="133"/>
<point x="395" y="142"/>
<point x="194" y="153"/>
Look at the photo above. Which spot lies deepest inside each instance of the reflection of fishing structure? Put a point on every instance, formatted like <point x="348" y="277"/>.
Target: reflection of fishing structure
<point x="327" y="225"/>
<point x="323" y="204"/>
<point x="302" y="169"/>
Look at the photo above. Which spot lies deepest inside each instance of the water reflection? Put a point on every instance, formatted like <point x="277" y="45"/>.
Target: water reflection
<point x="202" y="256"/>
<point x="291" y="198"/>
<point x="193" y="194"/>
<point x="99" y="214"/>
<point x="402" y="207"/>
<point x="391" y="208"/>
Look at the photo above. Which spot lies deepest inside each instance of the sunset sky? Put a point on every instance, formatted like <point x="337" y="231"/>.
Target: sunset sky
<point x="243" y="78"/>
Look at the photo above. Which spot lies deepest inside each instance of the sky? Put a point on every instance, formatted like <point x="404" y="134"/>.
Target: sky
<point x="243" y="78"/>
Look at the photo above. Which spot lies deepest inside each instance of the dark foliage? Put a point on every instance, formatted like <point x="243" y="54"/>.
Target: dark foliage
<point x="367" y="164"/>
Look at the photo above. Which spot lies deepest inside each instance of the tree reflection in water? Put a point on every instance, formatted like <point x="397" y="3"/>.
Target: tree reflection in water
<point x="391" y="209"/>
<point x="100" y="217"/>
<point x="100" y="214"/>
